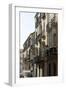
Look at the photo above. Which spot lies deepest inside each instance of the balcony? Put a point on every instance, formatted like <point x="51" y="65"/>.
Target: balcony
<point x="32" y="53"/>
<point x="51" y="52"/>
<point x="27" y="58"/>
<point x="32" y="57"/>
<point x="44" y="54"/>
<point x="36" y="59"/>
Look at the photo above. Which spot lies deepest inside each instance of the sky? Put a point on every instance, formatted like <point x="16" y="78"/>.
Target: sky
<point x="27" y="26"/>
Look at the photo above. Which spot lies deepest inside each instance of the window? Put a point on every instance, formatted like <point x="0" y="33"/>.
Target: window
<point x="36" y="52"/>
<point x="54" y="39"/>
<point x="54" y="69"/>
<point x="49" y="70"/>
<point x="43" y="15"/>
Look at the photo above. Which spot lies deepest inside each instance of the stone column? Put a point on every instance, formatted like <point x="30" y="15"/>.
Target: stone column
<point x="37" y="70"/>
<point x="34" y="70"/>
<point x="40" y="72"/>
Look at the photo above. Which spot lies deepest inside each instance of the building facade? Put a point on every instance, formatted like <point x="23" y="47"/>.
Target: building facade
<point x="52" y="39"/>
<point x="28" y="54"/>
<point x="46" y="27"/>
<point x="40" y="50"/>
<point x="21" y="63"/>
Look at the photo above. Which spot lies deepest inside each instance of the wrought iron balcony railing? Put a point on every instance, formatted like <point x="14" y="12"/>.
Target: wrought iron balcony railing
<point x="51" y="51"/>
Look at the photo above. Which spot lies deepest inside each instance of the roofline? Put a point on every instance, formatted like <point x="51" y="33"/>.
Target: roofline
<point x="28" y="37"/>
